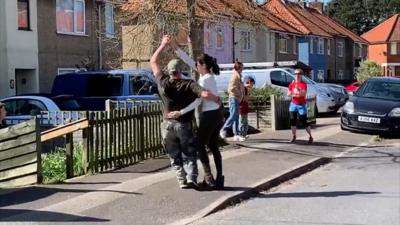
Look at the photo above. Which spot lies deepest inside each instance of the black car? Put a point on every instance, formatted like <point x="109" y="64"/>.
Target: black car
<point x="374" y="107"/>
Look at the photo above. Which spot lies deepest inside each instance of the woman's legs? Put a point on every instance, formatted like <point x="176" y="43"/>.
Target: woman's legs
<point x="233" y="119"/>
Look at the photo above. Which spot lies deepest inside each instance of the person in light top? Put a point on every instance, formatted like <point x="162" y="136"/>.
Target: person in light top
<point x="210" y="121"/>
<point x="298" y="106"/>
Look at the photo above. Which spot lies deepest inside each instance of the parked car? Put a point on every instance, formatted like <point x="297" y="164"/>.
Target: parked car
<point x="335" y="91"/>
<point x="351" y="88"/>
<point x="374" y="107"/>
<point x="92" y="89"/>
<point x="21" y="108"/>
<point x="281" y="78"/>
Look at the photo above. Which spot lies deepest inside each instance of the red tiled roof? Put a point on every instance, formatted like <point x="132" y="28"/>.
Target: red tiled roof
<point x="383" y="31"/>
<point x="309" y="20"/>
<point x="280" y="10"/>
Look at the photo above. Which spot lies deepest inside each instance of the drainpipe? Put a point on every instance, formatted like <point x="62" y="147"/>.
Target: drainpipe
<point x="233" y="42"/>
<point x="99" y="44"/>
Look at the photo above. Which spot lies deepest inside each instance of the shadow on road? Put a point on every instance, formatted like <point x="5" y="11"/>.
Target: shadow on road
<point x="21" y="215"/>
<point x="31" y="194"/>
<point x="330" y="194"/>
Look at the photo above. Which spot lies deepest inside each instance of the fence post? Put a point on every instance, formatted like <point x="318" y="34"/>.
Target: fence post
<point x="69" y="155"/>
<point x="85" y="139"/>
<point x="141" y="133"/>
<point x="273" y="113"/>
<point x="38" y="151"/>
<point x="257" y="113"/>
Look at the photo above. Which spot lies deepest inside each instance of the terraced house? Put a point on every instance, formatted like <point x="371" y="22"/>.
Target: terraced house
<point x="333" y="51"/>
<point x="40" y="39"/>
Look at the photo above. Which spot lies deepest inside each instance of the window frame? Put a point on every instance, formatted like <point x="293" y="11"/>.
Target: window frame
<point x="340" y="46"/>
<point x="108" y="23"/>
<point x="340" y="75"/>
<point x="283" y="44"/>
<point x="207" y="36"/>
<point x="328" y="47"/>
<point x="360" y="50"/>
<point x="219" y="31"/>
<point x="271" y="41"/>
<point x="294" y="45"/>
<point x="74" y="32"/>
<point x="321" y="46"/>
<point x="311" y="45"/>
<point x="28" y="28"/>
<point x="393" y="46"/>
<point x="245" y="36"/>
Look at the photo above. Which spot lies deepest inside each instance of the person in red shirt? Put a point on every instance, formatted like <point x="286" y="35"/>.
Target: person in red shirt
<point x="298" y="106"/>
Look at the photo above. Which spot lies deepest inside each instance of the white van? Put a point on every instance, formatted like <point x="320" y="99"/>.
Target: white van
<point x="274" y="77"/>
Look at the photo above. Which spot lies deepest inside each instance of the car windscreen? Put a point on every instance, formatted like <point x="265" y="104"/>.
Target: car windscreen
<point x="104" y="85"/>
<point x="67" y="104"/>
<point x="380" y="89"/>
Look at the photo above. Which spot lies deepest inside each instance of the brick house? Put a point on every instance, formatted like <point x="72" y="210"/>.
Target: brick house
<point x="384" y="47"/>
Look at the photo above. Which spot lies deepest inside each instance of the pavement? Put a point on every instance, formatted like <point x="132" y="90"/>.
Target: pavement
<point x="147" y="193"/>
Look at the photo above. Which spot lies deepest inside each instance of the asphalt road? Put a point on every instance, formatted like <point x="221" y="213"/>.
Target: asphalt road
<point x="360" y="188"/>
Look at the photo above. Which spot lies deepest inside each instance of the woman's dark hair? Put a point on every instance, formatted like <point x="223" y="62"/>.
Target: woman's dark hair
<point x="238" y="65"/>
<point x="210" y="62"/>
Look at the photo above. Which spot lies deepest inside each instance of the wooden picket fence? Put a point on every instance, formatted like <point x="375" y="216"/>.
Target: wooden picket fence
<point x="20" y="151"/>
<point x="123" y="136"/>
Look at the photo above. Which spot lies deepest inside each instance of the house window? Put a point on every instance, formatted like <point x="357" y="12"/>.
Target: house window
<point x="219" y="37"/>
<point x="294" y="45"/>
<point x="341" y="75"/>
<point x="311" y="45"/>
<point x="70" y="16"/>
<point x="23" y="15"/>
<point x="282" y="44"/>
<point x="109" y="16"/>
<point x="321" y="75"/>
<point x="207" y="36"/>
<point x="271" y="41"/>
<point x="328" y="47"/>
<point x="393" y="48"/>
<point x="360" y="50"/>
<point x="245" y="38"/>
<point x="320" y="46"/>
<point x="340" y="49"/>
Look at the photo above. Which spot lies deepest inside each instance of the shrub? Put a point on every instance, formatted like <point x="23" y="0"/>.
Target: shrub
<point x="54" y="168"/>
<point x="264" y="93"/>
<point x="368" y="69"/>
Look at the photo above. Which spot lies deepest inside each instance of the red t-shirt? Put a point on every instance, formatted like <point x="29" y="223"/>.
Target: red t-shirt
<point x="301" y="86"/>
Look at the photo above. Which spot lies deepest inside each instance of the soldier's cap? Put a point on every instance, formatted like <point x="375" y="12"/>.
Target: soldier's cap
<point x="175" y="65"/>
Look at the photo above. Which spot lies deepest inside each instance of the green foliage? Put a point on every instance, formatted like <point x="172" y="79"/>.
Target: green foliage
<point x="368" y="69"/>
<point x="54" y="167"/>
<point x="264" y="93"/>
<point x="362" y="16"/>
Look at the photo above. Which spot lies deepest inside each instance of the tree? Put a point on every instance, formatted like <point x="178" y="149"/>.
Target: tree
<point x="368" y="69"/>
<point x="362" y="15"/>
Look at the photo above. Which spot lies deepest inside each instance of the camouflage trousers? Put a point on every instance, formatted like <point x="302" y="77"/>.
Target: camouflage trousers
<point x="180" y="144"/>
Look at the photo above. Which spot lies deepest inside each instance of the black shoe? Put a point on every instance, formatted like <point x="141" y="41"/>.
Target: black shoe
<point x="220" y="183"/>
<point x="209" y="180"/>
<point x="293" y="139"/>
<point x="310" y="140"/>
<point x="192" y="185"/>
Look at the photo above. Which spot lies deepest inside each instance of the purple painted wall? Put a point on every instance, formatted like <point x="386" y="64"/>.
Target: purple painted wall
<point x="225" y="53"/>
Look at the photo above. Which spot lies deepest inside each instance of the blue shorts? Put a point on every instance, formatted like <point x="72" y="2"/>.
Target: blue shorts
<point x="301" y="109"/>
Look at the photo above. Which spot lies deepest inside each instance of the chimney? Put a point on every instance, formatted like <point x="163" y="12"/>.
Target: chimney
<point x="319" y="6"/>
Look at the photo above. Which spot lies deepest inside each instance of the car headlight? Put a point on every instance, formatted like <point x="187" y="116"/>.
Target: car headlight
<point x="395" y="112"/>
<point x="348" y="107"/>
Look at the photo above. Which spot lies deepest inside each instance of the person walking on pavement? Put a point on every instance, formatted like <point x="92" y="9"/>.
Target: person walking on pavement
<point x="177" y="134"/>
<point x="298" y="106"/>
<point x="235" y="91"/>
<point x="3" y="114"/>
<point x="211" y="120"/>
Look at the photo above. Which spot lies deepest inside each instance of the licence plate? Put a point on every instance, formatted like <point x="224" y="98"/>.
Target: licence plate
<point x="369" y="119"/>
